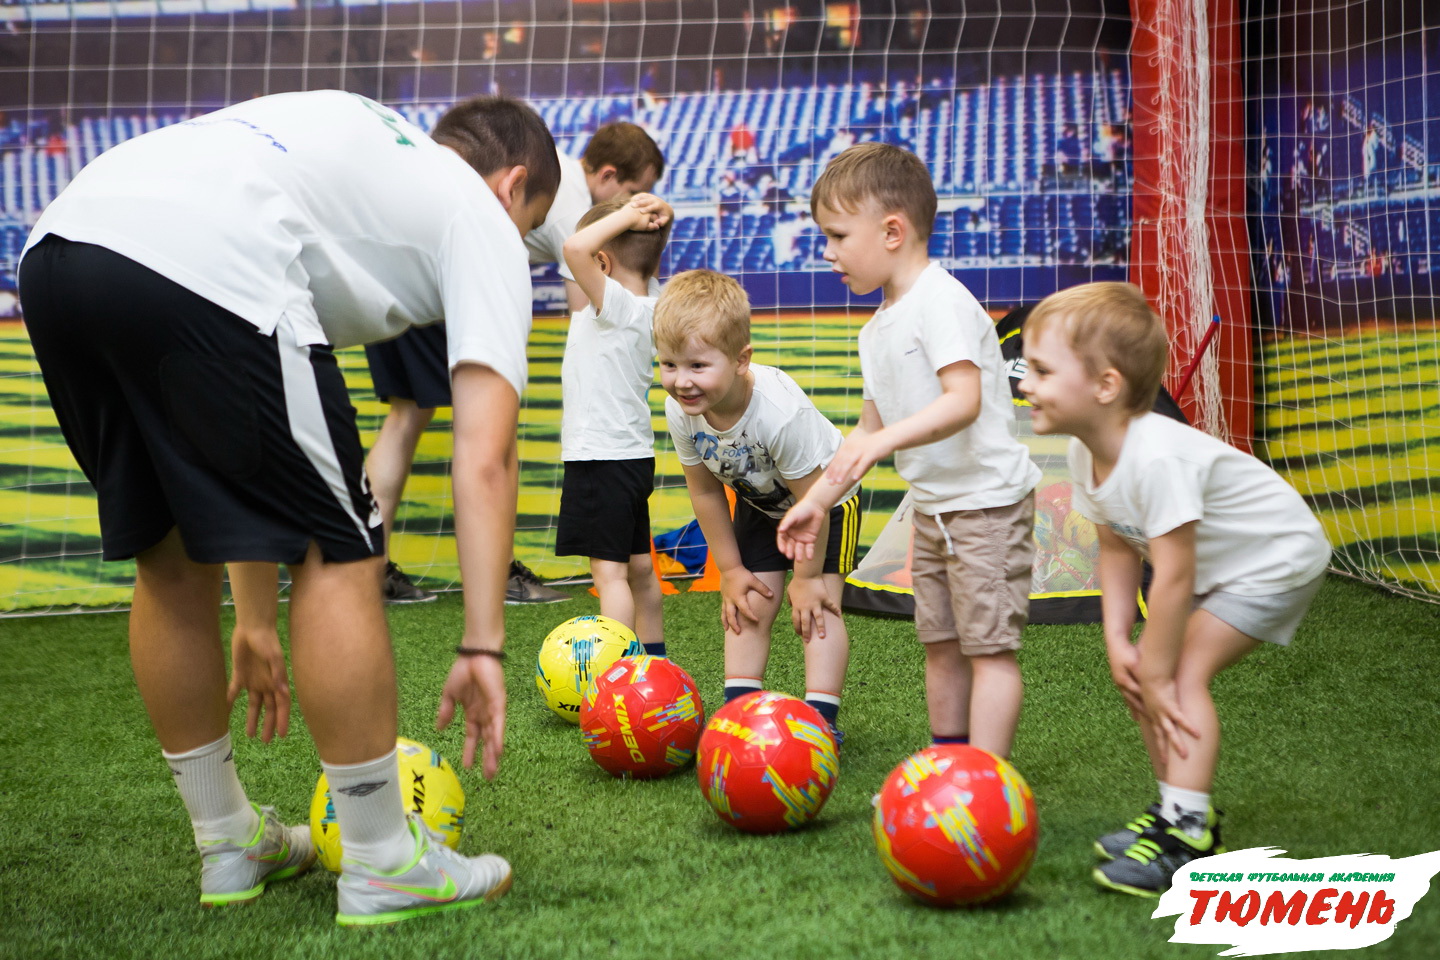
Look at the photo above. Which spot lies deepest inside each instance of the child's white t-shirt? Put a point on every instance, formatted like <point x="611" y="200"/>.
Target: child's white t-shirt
<point x="324" y="207"/>
<point x="1254" y="537"/>
<point x="903" y="347"/>
<point x="781" y="436"/>
<point x="546" y="242"/>
<point x="605" y="379"/>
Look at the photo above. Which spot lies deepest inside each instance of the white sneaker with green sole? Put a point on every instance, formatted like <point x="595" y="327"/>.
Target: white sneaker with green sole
<point x="234" y="873"/>
<point x="435" y="880"/>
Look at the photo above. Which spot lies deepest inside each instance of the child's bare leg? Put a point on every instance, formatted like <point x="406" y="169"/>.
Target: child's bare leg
<point x="649" y="619"/>
<point x="947" y="689"/>
<point x="1211" y="645"/>
<point x="612" y="583"/>
<point x="175" y="646"/>
<point x="340" y="652"/>
<point x="828" y="657"/>
<point x="1151" y="736"/>
<point x="996" y="692"/>
<point x="747" y="652"/>
<point x="388" y="464"/>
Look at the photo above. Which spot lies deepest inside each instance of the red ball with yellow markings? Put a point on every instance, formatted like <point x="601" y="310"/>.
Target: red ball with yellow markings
<point x="767" y="762"/>
<point x="955" y="826"/>
<point x="641" y="718"/>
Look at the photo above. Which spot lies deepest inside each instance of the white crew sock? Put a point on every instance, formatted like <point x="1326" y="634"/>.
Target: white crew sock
<point x="212" y="793"/>
<point x="1187" y="809"/>
<point x="370" y="812"/>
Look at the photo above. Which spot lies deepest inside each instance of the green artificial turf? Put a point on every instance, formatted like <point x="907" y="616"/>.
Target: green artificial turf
<point x="1330" y="749"/>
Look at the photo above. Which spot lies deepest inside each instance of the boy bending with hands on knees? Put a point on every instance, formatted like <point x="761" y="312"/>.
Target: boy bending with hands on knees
<point x="606" y="441"/>
<point x="1236" y="553"/>
<point x="935" y="396"/>
<point x="750" y="427"/>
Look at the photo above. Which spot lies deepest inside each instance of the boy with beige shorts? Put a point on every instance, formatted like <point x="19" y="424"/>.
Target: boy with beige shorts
<point x="937" y="397"/>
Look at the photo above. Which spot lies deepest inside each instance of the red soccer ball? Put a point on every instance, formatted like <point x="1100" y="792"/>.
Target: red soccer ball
<point x="767" y="762"/>
<point x="641" y="718"/>
<point x="955" y="826"/>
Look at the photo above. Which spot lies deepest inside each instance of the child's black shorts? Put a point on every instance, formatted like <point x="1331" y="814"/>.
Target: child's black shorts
<point x="184" y="415"/>
<point x="605" y="509"/>
<point x="755" y="536"/>
<point x="414" y="366"/>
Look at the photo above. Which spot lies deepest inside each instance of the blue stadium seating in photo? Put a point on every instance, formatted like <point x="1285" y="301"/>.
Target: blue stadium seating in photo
<point x="1032" y="174"/>
<point x="1349" y="194"/>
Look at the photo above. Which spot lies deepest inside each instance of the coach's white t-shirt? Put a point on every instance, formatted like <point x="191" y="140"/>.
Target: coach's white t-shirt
<point x="781" y="436"/>
<point x="325" y="207"/>
<point x="605" y="379"/>
<point x="546" y="242"/>
<point x="937" y="323"/>
<point x="1255" y="536"/>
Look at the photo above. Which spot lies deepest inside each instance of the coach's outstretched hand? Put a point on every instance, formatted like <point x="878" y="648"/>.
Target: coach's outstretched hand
<point x="477" y="686"/>
<point x="257" y="668"/>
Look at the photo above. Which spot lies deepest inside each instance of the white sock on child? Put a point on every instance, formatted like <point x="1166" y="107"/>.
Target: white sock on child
<point x="212" y="793"/>
<point x="1187" y="809"/>
<point x="370" y="812"/>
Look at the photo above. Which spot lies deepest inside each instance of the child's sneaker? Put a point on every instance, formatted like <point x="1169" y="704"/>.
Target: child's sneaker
<point x="436" y="879"/>
<point x="1161" y="849"/>
<point x="234" y="873"/>
<point x="1112" y="845"/>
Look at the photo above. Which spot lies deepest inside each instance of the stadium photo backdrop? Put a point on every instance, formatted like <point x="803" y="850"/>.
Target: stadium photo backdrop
<point x="1067" y="142"/>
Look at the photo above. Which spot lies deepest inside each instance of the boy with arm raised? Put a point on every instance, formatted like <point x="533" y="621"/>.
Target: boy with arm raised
<point x="606" y="440"/>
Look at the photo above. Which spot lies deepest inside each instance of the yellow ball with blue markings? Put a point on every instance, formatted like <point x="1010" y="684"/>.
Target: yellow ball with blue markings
<point x="574" y="654"/>
<point x="428" y="786"/>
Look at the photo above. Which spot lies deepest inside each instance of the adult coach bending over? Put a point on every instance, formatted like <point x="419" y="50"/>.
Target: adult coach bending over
<point x="184" y="295"/>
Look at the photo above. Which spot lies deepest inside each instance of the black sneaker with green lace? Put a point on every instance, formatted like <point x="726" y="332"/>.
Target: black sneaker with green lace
<point x="1145" y="869"/>
<point x="1112" y="845"/>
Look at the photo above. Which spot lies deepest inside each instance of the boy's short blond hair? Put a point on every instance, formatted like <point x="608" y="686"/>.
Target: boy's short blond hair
<point x="637" y="250"/>
<point x="896" y="179"/>
<point x="706" y="306"/>
<point x="1109" y="325"/>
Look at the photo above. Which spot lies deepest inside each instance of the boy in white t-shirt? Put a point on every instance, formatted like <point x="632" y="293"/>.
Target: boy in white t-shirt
<point x="750" y="427"/>
<point x="409" y="373"/>
<point x="937" y="397"/>
<point x="606" y="441"/>
<point x="1237" y="555"/>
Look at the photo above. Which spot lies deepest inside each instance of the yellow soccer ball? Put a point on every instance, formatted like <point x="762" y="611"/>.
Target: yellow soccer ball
<point x="428" y="786"/>
<point x="574" y="654"/>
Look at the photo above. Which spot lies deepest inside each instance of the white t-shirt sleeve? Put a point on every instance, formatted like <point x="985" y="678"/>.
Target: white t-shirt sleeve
<point x="680" y="433"/>
<point x="803" y="444"/>
<point x="946" y="331"/>
<point x="1078" y="460"/>
<point x="485" y="286"/>
<point x="621" y="308"/>
<point x="1171" y="493"/>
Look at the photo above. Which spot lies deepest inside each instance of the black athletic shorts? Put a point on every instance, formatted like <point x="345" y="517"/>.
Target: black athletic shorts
<point x="184" y="415"/>
<point x="414" y="366"/>
<point x="755" y="536"/>
<point x="605" y="509"/>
